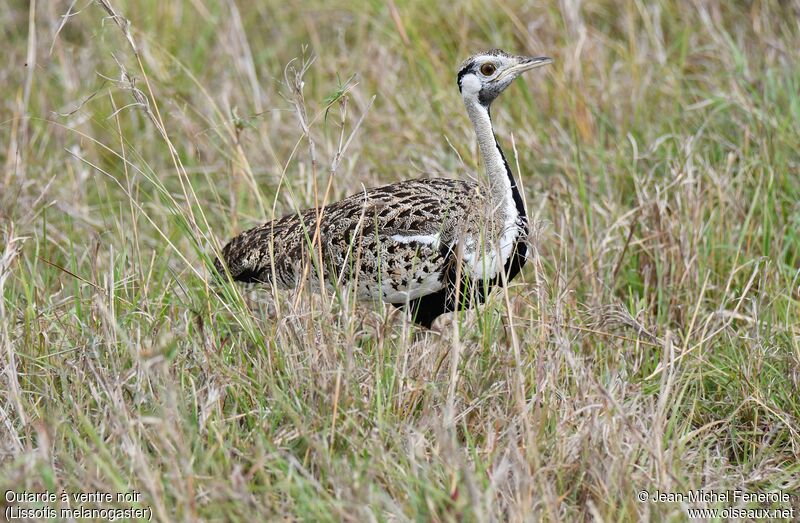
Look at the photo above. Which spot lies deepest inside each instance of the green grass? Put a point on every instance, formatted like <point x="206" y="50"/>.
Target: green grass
<point x="652" y="342"/>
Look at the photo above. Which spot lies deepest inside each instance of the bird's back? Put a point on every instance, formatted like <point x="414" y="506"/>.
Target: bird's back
<point x="393" y="242"/>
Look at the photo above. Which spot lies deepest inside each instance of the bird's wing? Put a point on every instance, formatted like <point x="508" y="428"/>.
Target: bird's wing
<point x="394" y="240"/>
<point x="399" y="238"/>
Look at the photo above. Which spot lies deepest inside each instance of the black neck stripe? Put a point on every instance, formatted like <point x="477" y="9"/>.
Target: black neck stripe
<point x="514" y="190"/>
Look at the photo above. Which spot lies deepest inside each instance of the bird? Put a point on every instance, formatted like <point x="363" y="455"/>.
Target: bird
<point x="428" y="246"/>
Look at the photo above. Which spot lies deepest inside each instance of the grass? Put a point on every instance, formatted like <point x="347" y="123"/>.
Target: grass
<point x="653" y="341"/>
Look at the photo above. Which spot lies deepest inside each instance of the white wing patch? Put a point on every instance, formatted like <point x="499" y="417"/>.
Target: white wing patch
<point x="422" y="279"/>
<point x="430" y="283"/>
<point x="425" y="239"/>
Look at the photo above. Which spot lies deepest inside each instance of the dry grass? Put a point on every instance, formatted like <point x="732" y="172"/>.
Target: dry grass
<point x="652" y="343"/>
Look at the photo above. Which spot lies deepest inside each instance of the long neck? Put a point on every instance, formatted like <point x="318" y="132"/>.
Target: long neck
<point x="502" y="185"/>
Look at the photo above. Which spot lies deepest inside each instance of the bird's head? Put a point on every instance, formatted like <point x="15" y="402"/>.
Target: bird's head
<point x="483" y="76"/>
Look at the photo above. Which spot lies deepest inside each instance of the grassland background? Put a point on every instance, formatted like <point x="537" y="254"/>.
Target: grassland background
<point x="651" y="343"/>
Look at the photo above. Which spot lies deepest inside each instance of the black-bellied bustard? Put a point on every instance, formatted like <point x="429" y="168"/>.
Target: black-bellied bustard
<point x="429" y="246"/>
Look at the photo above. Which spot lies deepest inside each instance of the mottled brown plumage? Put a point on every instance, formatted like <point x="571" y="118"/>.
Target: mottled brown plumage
<point x="356" y="236"/>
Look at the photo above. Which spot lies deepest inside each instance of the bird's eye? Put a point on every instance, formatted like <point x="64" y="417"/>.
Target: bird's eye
<point x="488" y="69"/>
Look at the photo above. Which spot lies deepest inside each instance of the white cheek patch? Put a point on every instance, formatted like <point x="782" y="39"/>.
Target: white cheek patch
<point x="470" y="85"/>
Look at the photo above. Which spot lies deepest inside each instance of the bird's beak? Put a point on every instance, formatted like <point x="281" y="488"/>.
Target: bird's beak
<point x="526" y="63"/>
